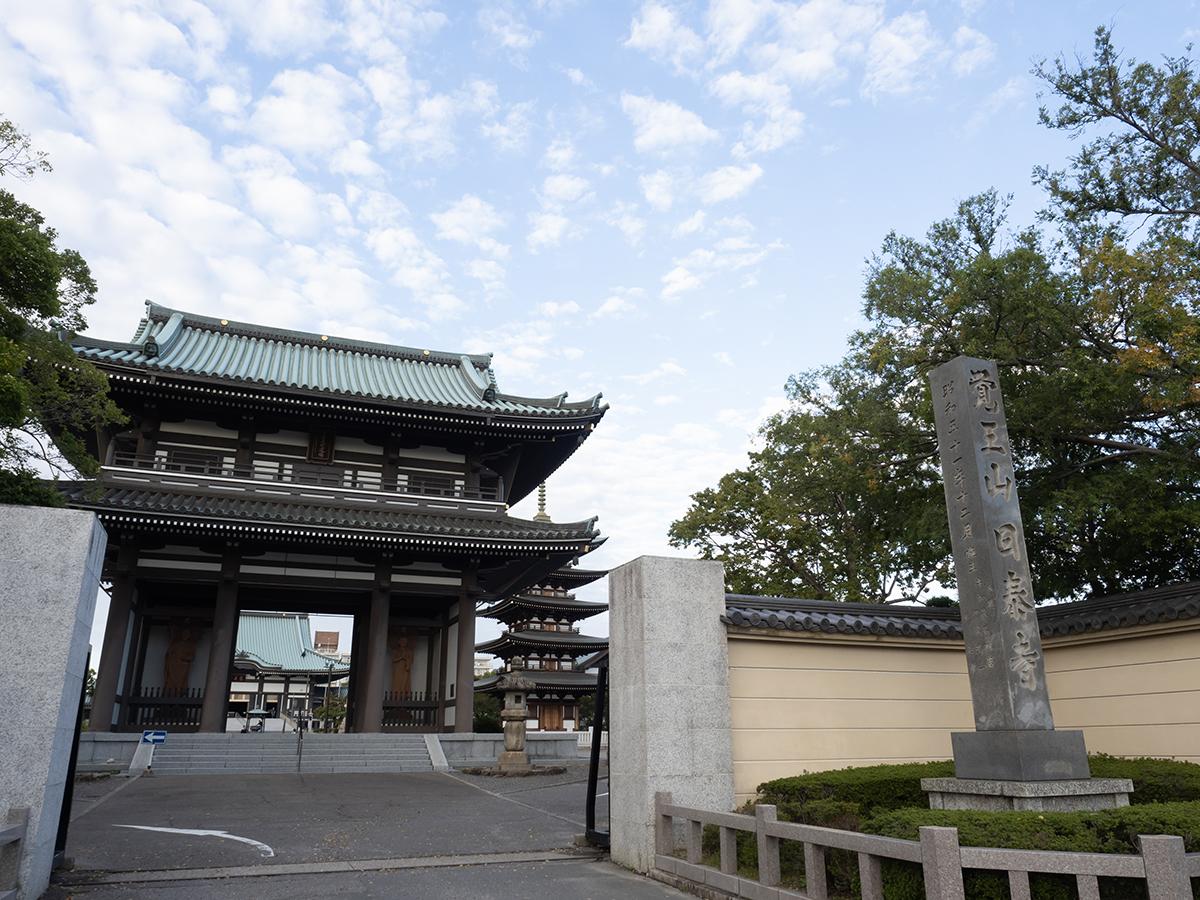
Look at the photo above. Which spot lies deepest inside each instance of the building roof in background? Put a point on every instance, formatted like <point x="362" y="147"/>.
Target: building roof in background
<point x="523" y="604"/>
<point x="281" y="643"/>
<point x="1149" y="607"/>
<point x="512" y="642"/>
<point x="572" y="577"/>
<point x="186" y="344"/>
<point x="566" y="682"/>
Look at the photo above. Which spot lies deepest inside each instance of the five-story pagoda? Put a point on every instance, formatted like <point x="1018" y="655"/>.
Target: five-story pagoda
<point x="279" y="470"/>
<point x="542" y="641"/>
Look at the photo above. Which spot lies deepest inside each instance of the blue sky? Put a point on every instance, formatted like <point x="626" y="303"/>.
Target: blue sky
<point x="669" y="202"/>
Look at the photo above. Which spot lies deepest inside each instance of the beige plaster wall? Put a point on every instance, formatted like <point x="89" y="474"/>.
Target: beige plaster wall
<point x="809" y="703"/>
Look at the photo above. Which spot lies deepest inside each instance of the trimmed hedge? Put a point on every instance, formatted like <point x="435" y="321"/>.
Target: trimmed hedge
<point x="877" y="788"/>
<point x="888" y="800"/>
<point x="1100" y="831"/>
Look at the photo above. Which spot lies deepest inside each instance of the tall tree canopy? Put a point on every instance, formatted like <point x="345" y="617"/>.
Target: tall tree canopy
<point x="1098" y="343"/>
<point x="48" y="397"/>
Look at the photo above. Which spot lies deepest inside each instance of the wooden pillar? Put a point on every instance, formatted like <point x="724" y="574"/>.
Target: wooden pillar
<point x="464" y="691"/>
<point x="357" y="663"/>
<point x="391" y="462"/>
<point x="443" y="653"/>
<point x="371" y="715"/>
<point x="220" y="653"/>
<point x="116" y="628"/>
<point x="245" y="445"/>
<point x="147" y="442"/>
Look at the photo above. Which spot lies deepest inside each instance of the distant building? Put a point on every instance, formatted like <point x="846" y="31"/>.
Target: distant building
<point x="277" y="669"/>
<point x="326" y="642"/>
<point x="484" y="664"/>
<point x="542" y="641"/>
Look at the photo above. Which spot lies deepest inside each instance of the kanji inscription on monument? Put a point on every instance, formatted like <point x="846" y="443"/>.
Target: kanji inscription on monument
<point x="999" y="617"/>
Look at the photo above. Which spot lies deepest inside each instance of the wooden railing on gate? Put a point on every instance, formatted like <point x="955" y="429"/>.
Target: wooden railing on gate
<point x="410" y="711"/>
<point x="1162" y="863"/>
<point x="157" y="707"/>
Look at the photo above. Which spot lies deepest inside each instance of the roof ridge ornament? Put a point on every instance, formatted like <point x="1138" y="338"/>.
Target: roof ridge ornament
<point x="541" y="515"/>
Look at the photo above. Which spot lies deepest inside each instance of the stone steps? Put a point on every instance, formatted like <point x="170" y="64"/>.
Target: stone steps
<point x="228" y="754"/>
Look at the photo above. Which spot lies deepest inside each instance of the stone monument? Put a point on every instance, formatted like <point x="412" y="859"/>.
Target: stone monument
<point x="1014" y="759"/>
<point x="514" y="759"/>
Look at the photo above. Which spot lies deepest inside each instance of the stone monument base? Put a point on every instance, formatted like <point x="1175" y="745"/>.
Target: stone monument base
<point x="1032" y="755"/>
<point x="1067" y="795"/>
<point x="513" y="761"/>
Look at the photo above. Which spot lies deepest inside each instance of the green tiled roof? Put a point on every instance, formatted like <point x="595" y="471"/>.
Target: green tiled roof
<point x="181" y="343"/>
<point x="281" y="642"/>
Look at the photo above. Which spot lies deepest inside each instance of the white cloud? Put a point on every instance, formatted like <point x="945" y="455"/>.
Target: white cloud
<point x="1012" y="93"/>
<point x="229" y="103"/>
<point x="657" y="31"/>
<point x="624" y="218"/>
<point x="512" y="132"/>
<point x="690" y="225"/>
<point x="812" y="42"/>
<point x="471" y="220"/>
<point x="563" y="189"/>
<point x="547" y="230"/>
<point x="508" y="31"/>
<point x="355" y="159"/>
<point x="414" y="266"/>
<point x="666" y="369"/>
<point x="489" y="273"/>
<point x="723" y="357"/>
<point x="417" y="120"/>
<point x="660" y="125"/>
<point x="657" y="188"/>
<point x="577" y="78"/>
<point x="308" y="111"/>
<point x="729" y="254"/>
<point x="554" y="309"/>
<point x="762" y="96"/>
<point x="728" y="182"/>
<point x="732" y="22"/>
<point x="972" y="49"/>
<point x="559" y="155"/>
<point x="898" y="57"/>
<point x="614" y="306"/>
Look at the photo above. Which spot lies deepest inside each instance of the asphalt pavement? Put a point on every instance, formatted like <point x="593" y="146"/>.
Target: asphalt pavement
<point x="355" y="835"/>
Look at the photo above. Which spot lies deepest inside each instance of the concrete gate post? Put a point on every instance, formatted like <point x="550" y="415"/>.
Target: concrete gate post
<point x="669" y="717"/>
<point x="50" y="565"/>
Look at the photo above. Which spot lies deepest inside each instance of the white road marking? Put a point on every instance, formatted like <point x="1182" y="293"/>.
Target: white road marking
<point x="264" y="851"/>
<point x="605" y="794"/>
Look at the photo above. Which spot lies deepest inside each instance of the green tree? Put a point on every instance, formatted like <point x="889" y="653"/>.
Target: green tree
<point x="1147" y="163"/>
<point x="1097" y="336"/>
<point x="487" y="714"/>
<point x="48" y="397"/>
<point x="1099" y="351"/>
<point x="331" y="714"/>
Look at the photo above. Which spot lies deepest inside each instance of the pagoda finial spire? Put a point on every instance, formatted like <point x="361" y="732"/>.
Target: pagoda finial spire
<point x="541" y="513"/>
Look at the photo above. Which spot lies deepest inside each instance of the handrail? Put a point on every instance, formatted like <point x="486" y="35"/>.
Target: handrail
<point x="1161" y="861"/>
<point x="341" y="475"/>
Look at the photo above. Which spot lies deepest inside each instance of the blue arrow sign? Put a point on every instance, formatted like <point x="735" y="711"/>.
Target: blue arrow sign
<point x="154" y="737"/>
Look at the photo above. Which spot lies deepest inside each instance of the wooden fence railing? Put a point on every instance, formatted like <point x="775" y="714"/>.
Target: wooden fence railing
<point x="1162" y="863"/>
<point x="158" y="707"/>
<point x="12" y="834"/>
<point x="410" y="711"/>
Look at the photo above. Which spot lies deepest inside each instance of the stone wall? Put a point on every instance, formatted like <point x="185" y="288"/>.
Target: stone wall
<point x="668" y="697"/>
<point x="50" y="566"/>
<point x="484" y="749"/>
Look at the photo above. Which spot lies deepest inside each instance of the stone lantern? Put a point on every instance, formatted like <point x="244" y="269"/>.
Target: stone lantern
<point x="515" y="687"/>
